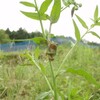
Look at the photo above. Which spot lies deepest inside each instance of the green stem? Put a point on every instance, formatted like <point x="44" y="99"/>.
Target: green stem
<point x="65" y="58"/>
<point x="41" y="24"/>
<point x="70" y="51"/>
<point x="36" y="64"/>
<point x="44" y="76"/>
<point x="54" y="82"/>
<point x="50" y="27"/>
<point x="49" y="31"/>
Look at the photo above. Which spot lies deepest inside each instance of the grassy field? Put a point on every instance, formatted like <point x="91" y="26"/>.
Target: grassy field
<point x="21" y="80"/>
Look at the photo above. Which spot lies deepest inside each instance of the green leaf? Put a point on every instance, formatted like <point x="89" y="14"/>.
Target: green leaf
<point x="84" y="74"/>
<point x="43" y="95"/>
<point x="55" y="12"/>
<point x="42" y="68"/>
<point x="45" y="6"/>
<point x="82" y="22"/>
<point x="94" y="33"/>
<point x="39" y="40"/>
<point x="37" y="52"/>
<point x="96" y="13"/>
<point x="27" y="4"/>
<point x="35" y="15"/>
<point x="77" y="32"/>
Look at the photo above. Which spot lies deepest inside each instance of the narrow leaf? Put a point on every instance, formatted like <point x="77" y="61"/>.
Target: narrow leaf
<point x="45" y="6"/>
<point x="37" y="52"/>
<point x="96" y="13"/>
<point x="55" y="12"/>
<point x="95" y="34"/>
<point x="84" y="74"/>
<point x="82" y="22"/>
<point x="27" y="4"/>
<point x="43" y="95"/>
<point x="42" y="68"/>
<point x="72" y="12"/>
<point x="77" y="32"/>
<point x="35" y="15"/>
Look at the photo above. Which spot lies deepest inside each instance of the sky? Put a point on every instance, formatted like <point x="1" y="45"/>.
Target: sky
<point x="12" y="18"/>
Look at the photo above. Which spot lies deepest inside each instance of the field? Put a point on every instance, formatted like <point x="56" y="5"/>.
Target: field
<point x="21" y="80"/>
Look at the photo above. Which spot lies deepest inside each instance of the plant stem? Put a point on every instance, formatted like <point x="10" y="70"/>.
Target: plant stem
<point x="54" y="82"/>
<point x="70" y="51"/>
<point x="66" y="58"/>
<point x="36" y="64"/>
<point x="52" y="71"/>
<point x="41" y="24"/>
<point x="49" y="31"/>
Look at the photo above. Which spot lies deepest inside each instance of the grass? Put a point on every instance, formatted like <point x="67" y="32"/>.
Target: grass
<point x="21" y="80"/>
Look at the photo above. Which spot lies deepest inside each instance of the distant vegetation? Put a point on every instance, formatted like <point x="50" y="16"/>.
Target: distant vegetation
<point x="21" y="80"/>
<point x="6" y="35"/>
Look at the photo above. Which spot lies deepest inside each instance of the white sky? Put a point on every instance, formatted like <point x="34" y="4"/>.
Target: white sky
<point x="11" y="17"/>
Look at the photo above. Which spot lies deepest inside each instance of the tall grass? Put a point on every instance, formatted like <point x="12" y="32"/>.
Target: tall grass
<point x="22" y="81"/>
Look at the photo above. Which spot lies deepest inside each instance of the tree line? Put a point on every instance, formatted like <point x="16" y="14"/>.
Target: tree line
<point x="8" y="35"/>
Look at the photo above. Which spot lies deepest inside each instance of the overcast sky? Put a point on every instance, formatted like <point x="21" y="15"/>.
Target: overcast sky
<point x="10" y="17"/>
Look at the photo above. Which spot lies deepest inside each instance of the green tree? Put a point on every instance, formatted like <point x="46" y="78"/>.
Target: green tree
<point x="4" y="38"/>
<point x="22" y="34"/>
<point x="7" y="31"/>
<point x="36" y="34"/>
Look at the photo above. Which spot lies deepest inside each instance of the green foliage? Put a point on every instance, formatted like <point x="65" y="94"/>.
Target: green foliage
<point x="39" y="40"/>
<point x="24" y="76"/>
<point x="94" y="33"/>
<point x="44" y="6"/>
<point x="35" y="15"/>
<point x="21" y="35"/>
<point x="56" y="83"/>
<point x="82" y="22"/>
<point x="37" y="53"/>
<point x="77" y="32"/>
<point x="54" y="17"/>
<point x="43" y="95"/>
<point x="75" y="5"/>
<point x="84" y="74"/>
<point x="27" y="4"/>
<point x="55" y="12"/>
<point x="4" y="38"/>
<point x="96" y="17"/>
<point x="96" y="14"/>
